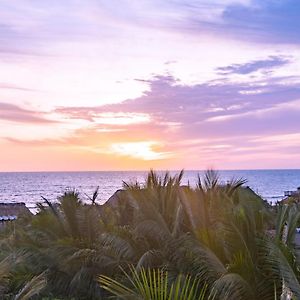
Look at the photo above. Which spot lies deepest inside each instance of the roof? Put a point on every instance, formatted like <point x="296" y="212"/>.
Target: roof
<point x="11" y="211"/>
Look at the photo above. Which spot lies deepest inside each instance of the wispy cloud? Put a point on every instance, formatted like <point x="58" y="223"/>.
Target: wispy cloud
<point x="256" y="65"/>
<point x="78" y="76"/>
<point x="8" y="86"/>
<point x="265" y="22"/>
<point x="168" y="101"/>
<point x="238" y="116"/>
<point x="36" y="25"/>
<point x="178" y="112"/>
<point x="14" y="113"/>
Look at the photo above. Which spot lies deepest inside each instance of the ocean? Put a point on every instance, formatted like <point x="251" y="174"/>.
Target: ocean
<point x="28" y="187"/>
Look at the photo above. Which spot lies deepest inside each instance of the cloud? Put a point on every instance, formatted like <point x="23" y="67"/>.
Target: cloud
<point x="253" y="66"/>
<point x="8" y="86"/>
<point x="214" y="121"/>
<point x="168" y="101"/>
<point x="38" y="25"/>
<point x="219" y="118"/>
<point x="14" y="113"/>
<point x="79" y="60"/>
<point x="265" y="21"/>
<point x="251" y="21"/>
<point x="110" y="118"/>
<point x="166" y="13"/>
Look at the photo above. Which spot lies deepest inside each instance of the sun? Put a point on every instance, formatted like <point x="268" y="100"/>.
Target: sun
<point x="144" y="150"/>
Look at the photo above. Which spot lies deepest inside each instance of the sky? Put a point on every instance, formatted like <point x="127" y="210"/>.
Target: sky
<point x="139" y="84"/>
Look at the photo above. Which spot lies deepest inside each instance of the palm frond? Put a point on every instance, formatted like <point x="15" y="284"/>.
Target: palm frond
<point x="232" y="286"/>
<point x="32" y="288"/>
<point x="152" y="284"/>
<point x="94" y="196"/>
<point x="210" y="180"/>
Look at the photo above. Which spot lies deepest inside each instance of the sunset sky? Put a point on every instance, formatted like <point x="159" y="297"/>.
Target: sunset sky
<point x="134" y="84"/>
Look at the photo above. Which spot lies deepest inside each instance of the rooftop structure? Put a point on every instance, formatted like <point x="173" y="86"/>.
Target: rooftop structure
<point x="292" y="193"/>
<point x="11" y="211"/>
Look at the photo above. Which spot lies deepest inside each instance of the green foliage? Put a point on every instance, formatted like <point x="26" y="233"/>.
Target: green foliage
<point x="155" y="284"/>
<point x="33" y="287"/>
<point x="158" y="240"/>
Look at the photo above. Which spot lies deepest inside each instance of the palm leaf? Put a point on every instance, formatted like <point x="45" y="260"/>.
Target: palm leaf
<point x="33" y="287"/>
<point x="152" y="284"/>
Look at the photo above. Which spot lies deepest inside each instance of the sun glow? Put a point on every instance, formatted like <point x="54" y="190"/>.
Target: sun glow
<point x="140" y="150"/>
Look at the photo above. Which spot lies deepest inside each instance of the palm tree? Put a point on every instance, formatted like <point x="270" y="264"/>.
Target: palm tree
<point x="218" y="235"/>
<point x="65" y="241"/>
<point x="212" y="237"/>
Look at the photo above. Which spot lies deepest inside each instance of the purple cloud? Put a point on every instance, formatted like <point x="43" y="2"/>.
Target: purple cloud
<point x="253" y="66"/>
<point x="210" y="109"/>
<point x="221" y="122"/>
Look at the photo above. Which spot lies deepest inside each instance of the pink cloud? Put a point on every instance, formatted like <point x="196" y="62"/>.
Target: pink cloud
<point x="14" y="113"/>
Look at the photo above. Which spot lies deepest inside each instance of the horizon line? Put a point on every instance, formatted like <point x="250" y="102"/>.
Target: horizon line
<point x="158" y="170"/>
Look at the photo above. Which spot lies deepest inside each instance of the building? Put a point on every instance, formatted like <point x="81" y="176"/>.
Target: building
<point x="11" y="211"/>
<point x="292" y="193"/>
<point x="291" y="196"/>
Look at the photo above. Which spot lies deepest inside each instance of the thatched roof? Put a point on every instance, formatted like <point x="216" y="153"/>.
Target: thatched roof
<point x="11" y="211"/>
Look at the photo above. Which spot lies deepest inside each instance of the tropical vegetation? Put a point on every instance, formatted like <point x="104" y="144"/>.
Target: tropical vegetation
<point x="156" y="240"/>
